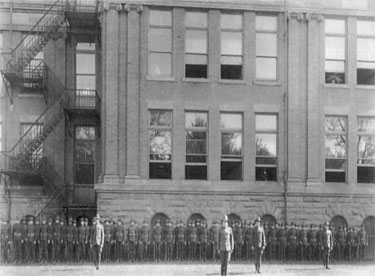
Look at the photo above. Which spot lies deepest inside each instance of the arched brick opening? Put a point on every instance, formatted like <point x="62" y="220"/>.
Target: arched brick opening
<point x="161" y="217"/>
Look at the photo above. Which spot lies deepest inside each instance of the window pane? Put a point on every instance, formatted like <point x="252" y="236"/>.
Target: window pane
<point x="196" y="146"/>
<point x="231" y="21"/>
<point x="85" y="151"/>
<point x="366" y="124"/>
<point x="266" y="44"/>
<point x="196" y="19"/>
<point x="266" y="23"/>
<point x="160" y="40"/>
<point x="196" y="71"/>
<point x="366" y="147"/>
<point x="334" y="26"/>
<point x="365" y="76"/>
<point x="196" y="59"/>
<point x="84" y="173"/>
<point x="265" y="160"/>
<point x="231" y="43"/>
<point x="366" y="28"/>
<point x="365" y="49"/>
<point x="85" y="64"/>
<point x="266" y="122"/>
<point x="231" y="121"/>
<point x="266" y="144"/>
<point x="366" y="65"/>
<point x="265" y="174"/>
<point x="335" y="66"/>
<point x="366" y="175"/>
<point x="196" y="41"/>
<point x="266" y="68"/>
<point x="334" y="77"/>
<point x="231" y="143"/>
<point x="335" y="48"/>
<point x="85" y="133"/>
<point x="196" y="172"/>
<point x="196" y="158"/>
<point x="335" y="164"/>
<point x="335" y="177"/>
<point x="160" y="170"/>
<point x="231" y="170"/>
<point x="335" y="124"/>
<point x="231" y="60"/>
<point x="195" y="119"/>
<point x="86" y="82"/>
<point x="335" y="146"/>
<point x="159" y="64"/>
<point x="160" y="143"/>
<point x="163" y="18"/>
<point x="161" y="118"/>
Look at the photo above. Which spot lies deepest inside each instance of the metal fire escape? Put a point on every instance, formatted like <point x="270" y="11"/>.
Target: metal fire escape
<point x="24" y="159"/>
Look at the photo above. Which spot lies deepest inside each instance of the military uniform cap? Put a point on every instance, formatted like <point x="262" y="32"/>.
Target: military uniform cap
<point x="70" y="219"/>
<point x="57" y="218"/>
<point x="257" y="219"/>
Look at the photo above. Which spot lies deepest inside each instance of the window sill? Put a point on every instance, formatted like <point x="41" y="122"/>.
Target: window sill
<point x="201" y="80"/>
<point x="30" y="95"/>
<point x="231" y="81"/>
<point x="151" y="78"/>
<point x="332" y="85"/>
<point x="365" y="87"/>
<point x="266" y="83"/>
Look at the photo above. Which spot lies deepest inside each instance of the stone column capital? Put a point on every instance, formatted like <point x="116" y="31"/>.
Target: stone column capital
<point x="314" y="16"/>
<point x="111" y="6"/>
<point x="295" y="16"/>
<point x="133" y="7"/>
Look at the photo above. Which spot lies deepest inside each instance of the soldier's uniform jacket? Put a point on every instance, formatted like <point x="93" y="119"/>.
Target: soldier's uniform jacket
<point x="50" y="232"/>
<point x="202" y="234"/>
<point x="350" y="238"/>
<point x="362" y="237"/>
<point x="75" y="234"/>
<point x="24" y="232"/>
<point x="82" y="233"/>
<point x="238" y="234"/>
<point x="272" y="236"/>
<point x="69" y="233"/>
<point x="57" y="232"/>
<point x="30" y="232"/>
<point x="192" y="234"/>
<point x="311" y="236"/>
<point x="17" y="234"/>
<point x="144" y="234"/>
<point x="44" y="232"/>
<point x="38" y="228"/>
<point x="64" y="233"/>
<point x="341" y="237"/>
<point x="327" y="241"/>
<point x="248" y="232"/>
<point x="132" y="233"/>
<point x="107" y="233"/>
<point x="226" y="239"/>
<point x="157" y="234"/>
<point x="119" y="233"/>
<point x="168" y="234"/>
<point x="214" y="234"/>
<point x="302" y="237"/>
<point x="5" y="232"/>
<point x="259" y="237"/>
<point x="180" y="236"/>
<point x="90" y="233"/>
<point x="98" y="234"/>
<point x="292" y="238"/>
<point x="320" y="236"/>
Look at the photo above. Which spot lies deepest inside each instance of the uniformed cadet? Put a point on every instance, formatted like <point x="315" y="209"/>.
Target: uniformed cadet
<point x="63" y="249"/>
<point x="259" y="243"/>
<point x="202" y="240"/>
<point x="44" y="241"/>
<point x="57" y="239"/>
<point x="282" y="237"/>
<point x="81" y="241"/>
<point x="266" y="250"/>
<point x="238" y="240"/>
<point x="272" y="243"/>
<point x="132" y="240"/>
<point x="311" y="238"/>
<point x="107" y="241"/>
<point x="30" y="240"/>
<point x="157" y="236"/>
<point x="248" y="233"/>
<point x="292" y="242"/>
<point x="97" y="240"/>
<point x="277" y="246"/>
<point x="50" y="241"/>
<point x="362" y="239"/>
<point x="168" y="241"/>
<point x="180" y="240"/>
<point x="320" y="242"/>
<point x="24" y="224"/>
<point x="90" y="236"/>
<point x="225" y="245"/>
<point x="327" y="245"/>
<point x="192" y="241"/>
<point x="17" y="242"/>
<point x="303" y="242"/>
<point x="144" y="241"/>
<point x="5" y="242"/>
<point x="351" y="244"/>
<point x="69" y="239"/>
<point x="37" y="241"/>
<point x="214" y="239"/>
<point x="75" y="242"/>
<point x="119" y="240"/>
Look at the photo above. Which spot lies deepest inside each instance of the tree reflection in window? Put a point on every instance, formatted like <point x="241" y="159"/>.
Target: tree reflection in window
<point x="366" y="150"/>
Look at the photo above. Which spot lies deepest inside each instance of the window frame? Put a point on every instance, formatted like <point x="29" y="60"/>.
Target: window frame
<point x="79" y="74"/>
<point x="361" y="36"/>
<point x="365" y="134"/>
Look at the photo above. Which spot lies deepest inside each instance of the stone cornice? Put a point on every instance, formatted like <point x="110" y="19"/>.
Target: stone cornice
<point x="314" y="16"/>
<point x="295" y="16"/>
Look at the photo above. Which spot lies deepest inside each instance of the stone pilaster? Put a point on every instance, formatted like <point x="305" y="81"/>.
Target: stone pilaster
<point x="313" y="98"/>
<point x="294" y="129"/>
<point x="133" y="91"/>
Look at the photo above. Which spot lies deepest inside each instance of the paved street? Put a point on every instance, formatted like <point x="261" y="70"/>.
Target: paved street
<point x="208" y="269"/>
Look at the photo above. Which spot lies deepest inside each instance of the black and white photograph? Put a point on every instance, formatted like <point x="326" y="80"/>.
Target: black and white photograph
<point x="187" y="137"/>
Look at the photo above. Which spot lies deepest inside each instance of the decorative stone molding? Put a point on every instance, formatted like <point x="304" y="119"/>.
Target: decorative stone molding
<point x="111" y="6"/>
<point x="295" y="16"/>
<point x="134" y="7"/>
<point x="314" y="16"/>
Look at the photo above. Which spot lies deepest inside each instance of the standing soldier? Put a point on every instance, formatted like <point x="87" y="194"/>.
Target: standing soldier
<point x="37" y="241"/>
<point x="272" y="242"/>
<point x="311" y="237"/>
<point x="304" y="242"/>
<point x="327" y="244"/>
<point x="30" y="237"/>
<point x="5" y="241"/>
<point x="50" y="241"/>
<point x="214" y="239"/>
<point x="81" y="256"/>
<point x="362" y="242"/>
<point x="239" y="240"/>
<point x="340" y="243"/>
<point x="64" y="253"/>
<point x="203" y="240"/>
<point x="69" y="239"/>
<point x="292" y="242"/>
<point x="24" y="226"/>
<point x="119" y="240"/>
<point x="57" y="239"/>
<point x="107" y="241"/>
<point x="320" y="242"/>
<point x="157" y="240"/>
<point x="97" y="239"/>
<point x="225" y="245"/>
<point x="192" y="239"/>
<point x="75" y="241"/>
<point x="180" y="240"/>
<point x="144" y="240"/>
<point x="17" y="241"/>
<point x="168" y="240"/>
<point x="259" y="243"/>
<point x="132" y="239"/>
<point x="248" y="233"/>
<point x="282" y="237"/>
<point x="189" y="228"/>
<point x="350" y="240"/>
<point x="44" y="241"/>
<point x="266" y="250"/>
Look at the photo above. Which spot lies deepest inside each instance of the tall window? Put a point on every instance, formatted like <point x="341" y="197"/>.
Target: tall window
<point x="266" y="147"/>
<point x="160" y="44"/>
<point x="85" y="66"/>
<point x="160" y="131"/>
<point x="231" y="46"/>
<point x="196" y="44"/>
<point x="366" y="150"/>
<point x="335" y="148"/>
<point x="84" y="163"/>
<point x="231" y="146"/>
<point x="366" y="52"/>
<point x="335" y="50"/>
<point x="196" y="124"/>
<point x="266" y="47"/>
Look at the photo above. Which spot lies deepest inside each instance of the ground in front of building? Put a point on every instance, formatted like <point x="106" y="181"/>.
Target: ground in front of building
<point x="185" y="269"/>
